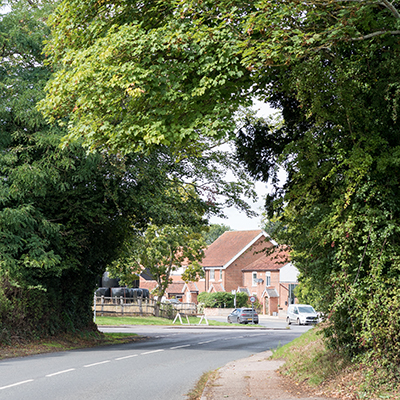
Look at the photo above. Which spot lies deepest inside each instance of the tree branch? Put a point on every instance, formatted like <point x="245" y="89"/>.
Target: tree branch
<point x="387" y="4"/>
<point x="390" y="7"/>
<point x="378" y="33"/>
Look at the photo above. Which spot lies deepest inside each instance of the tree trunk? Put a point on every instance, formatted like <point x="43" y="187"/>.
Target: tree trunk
<point x="157" y="308"/>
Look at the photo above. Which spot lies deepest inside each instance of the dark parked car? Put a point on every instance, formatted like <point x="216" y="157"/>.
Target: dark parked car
<point x="243" y="316"/>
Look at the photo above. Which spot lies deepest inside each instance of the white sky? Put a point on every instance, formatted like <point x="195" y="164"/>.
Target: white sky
<point x="237" y="220"/>
<point x="4" y="9"/>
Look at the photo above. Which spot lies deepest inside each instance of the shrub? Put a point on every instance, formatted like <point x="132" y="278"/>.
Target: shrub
<point x="222" y="299"/>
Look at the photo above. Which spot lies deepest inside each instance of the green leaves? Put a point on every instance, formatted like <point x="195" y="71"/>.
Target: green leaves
<point x="223" y="299"/>
<point x="160" y="250"/>
<point x="135" y="87"/>
<point x="173" y="74"/>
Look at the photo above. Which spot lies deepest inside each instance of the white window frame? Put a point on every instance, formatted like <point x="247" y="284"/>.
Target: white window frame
<point x="267" y="278"/>
<point x="253" y="278"/>
<point x="212" y="274"/>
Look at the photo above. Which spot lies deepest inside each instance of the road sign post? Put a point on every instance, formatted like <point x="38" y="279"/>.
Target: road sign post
<point x="252" y="299"/>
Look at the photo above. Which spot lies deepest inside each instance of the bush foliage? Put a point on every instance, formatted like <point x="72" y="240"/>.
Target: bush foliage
<point x="222" y="299"/>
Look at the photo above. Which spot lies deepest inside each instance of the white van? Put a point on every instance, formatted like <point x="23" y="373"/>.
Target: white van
<point x="302" y="314"/>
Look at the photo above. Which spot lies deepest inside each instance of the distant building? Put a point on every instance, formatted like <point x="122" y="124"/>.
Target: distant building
<point x="250" y="261"/>
<point x="247" y="261"/>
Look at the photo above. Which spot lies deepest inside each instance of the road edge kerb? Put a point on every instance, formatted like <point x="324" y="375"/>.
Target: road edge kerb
<point x="200" y="326"/>
<point x="209" y="383"/>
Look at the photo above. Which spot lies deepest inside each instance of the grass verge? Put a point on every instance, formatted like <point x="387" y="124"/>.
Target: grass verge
<point x="78" y="340"/>
<point x="323" y="372"/>
<point x="308" y="360"/>
<point x="155" y="321"/>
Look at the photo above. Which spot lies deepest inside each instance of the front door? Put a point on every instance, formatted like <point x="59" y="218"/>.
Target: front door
<point x="266" y="306"/>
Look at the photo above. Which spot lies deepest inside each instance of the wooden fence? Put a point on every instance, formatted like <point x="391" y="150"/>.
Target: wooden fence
<point x="122" y="306"/>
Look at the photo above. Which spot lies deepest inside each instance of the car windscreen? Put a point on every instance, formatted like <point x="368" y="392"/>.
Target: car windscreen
<point x="306" y="309"/>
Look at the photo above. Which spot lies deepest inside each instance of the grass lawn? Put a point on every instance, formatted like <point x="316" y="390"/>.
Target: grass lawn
<point x="155" y="321"/>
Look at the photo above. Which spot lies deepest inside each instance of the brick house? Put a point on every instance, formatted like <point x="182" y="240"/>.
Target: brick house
<point x="272" y="280"/>
<point x="226" y="257"/>
<point x="239" y="259"/>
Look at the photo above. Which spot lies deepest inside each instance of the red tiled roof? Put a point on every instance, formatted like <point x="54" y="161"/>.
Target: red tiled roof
<point x="176" y="278"/>
<point x="275" y="260"/>
<point x="192" y="287"/>
<point x="227" y="246"/>
<point x="216" y="287"/>
<point x="201" y="285"/>
<point x="176" y="287"/>
<point x="147" y="284"/>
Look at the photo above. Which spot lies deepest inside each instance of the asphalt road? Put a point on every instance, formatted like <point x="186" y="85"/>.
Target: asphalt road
<point x="165" y="366"/>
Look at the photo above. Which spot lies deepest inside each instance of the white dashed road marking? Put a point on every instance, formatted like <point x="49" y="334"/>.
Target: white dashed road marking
<point x="16" y="384"/>
<point x="179" y="347"/>
<point x="208" y="341"/>
<point x="60" y="372"/>
<point x="108" y="361"/>
<point x="151" y="352"/>
<point x="98" y="363"/>
<point x="124" y="358"/>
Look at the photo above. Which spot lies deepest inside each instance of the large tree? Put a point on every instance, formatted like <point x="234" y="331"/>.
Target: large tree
<point x="160" y="250"/>
<point x="66" y="214"/>
<point x="339" y="142"/>
<point x="214" y="232"/>
<point x="180" y="70"/>
<point x="334" y="74"/>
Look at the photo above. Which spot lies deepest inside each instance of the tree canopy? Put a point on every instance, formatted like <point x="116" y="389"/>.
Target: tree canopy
<point x="65" y="214"/>
<point x="133" y="75"/>
<point x="175" y="72"/>
<point x="338" y="141"/>
<point x="214" y="232"/>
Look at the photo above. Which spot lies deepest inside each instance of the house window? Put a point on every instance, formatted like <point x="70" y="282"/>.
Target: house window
<point x="268" y="279"/>
<point x="220" y="274"/>
<point x="212" y="274"/>
<point x="254" y="275"/>
<point x="291" y="295"/>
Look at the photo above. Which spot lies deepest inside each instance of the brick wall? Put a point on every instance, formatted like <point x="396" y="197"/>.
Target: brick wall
<point x="233" y="276"/>
<point x="269" y="306"/>
<point x="283" y="294"/>
<point x="257" y="289"/>
<point x="275" y="280"/>
<point x="273" y="305"/>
